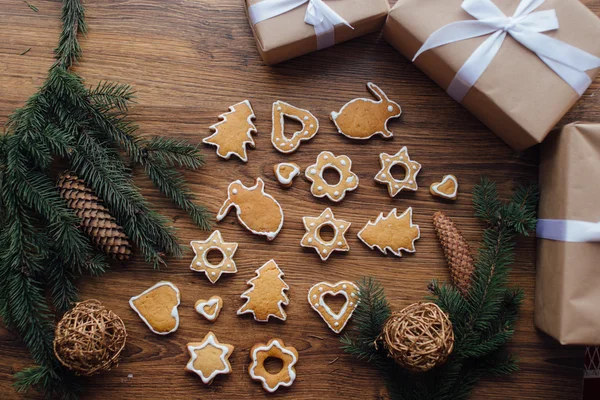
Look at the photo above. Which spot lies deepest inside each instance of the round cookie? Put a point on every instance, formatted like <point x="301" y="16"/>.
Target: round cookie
<point x="200" y="262"/>
<point x="446" y="189"/>
<point x="275" y="348"/>
<point x="316" y="298"/>
<point x="363" y="118"/>
<point x="334" y="192"/>
<point x="411" y="168"/>
<point x="310" y="127"/>
<point x="285" y="173"/>
<point x="312" y="238"/>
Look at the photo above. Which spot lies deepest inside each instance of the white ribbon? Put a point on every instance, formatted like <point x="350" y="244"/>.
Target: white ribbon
<point x="568" y="230"/>
<point x="318" y="14"/>
<point x="525" y="26"/>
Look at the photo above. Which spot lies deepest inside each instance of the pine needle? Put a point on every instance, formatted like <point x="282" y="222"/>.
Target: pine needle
<point x="34" y="8"/>
<point x="25" y="52"/>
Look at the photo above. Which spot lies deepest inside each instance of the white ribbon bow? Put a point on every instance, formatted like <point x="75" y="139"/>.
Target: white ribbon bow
<point x="525" y="26"/>
<point x="318" y="14"/>
<point x="568" y="230"/>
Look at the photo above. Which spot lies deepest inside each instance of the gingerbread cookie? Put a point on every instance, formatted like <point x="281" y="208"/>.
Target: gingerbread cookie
<point x="257" y="211"/>
<point x="285" y="173"/>
<point x="209" y="358"/>
<point x="411" y="169"/>
<point x="316" y="298"/>
<point x="266" y="296"/>
<point x="446" y="189"/>
<point x="214" y="242"/>
<point x="275" y="348"/>
<point x="363" y="118"/>
<point x="312" y="237"/>
<point x="234" y="132"/>
<point x="310" y="126"/>
<point x="157" y="307"/>
<point x="320" y="187"/>
<point x="209" y="309"/>
<point x="392" y="232"/>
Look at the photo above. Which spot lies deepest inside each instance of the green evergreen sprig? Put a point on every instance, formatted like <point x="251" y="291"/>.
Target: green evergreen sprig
<point x="483" y="321"/>
<point x="42" y="251"/>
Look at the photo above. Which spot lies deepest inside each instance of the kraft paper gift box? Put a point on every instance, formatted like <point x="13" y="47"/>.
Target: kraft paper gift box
<point x="287" y="35"/>
<point x="567" y="299"/>
<point x="518" y="96"/>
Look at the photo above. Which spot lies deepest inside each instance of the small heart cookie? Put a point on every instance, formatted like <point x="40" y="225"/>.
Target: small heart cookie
<point x="446" y="189"/>
<point x="285" y="173"/>
<point x="316" y="298"/>
<point x="210" y="308"/>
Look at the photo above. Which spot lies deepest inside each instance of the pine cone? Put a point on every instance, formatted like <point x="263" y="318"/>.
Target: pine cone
<point x="457" y="252"/>
<point x="96" y="221"/>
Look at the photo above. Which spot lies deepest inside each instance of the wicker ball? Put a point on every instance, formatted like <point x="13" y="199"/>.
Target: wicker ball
<point x="89" y="338"/>
<point x="419" y="337"/>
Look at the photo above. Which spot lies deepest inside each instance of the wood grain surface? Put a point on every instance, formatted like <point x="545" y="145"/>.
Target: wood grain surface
<point x="189" y="60"/>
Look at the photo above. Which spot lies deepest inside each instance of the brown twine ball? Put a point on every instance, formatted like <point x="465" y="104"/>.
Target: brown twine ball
<point x="89" y="338"/>
<point x="419" y="337"/>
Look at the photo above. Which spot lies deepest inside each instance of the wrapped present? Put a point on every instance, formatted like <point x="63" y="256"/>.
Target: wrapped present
<point x="285" y="29"/>
<point x="567" y="299"/>
<point x="517" y="65"/>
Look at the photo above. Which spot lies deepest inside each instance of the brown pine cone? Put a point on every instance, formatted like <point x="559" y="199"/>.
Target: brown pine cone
<point x="96" y="221"/>
<point x="457" y="252"/>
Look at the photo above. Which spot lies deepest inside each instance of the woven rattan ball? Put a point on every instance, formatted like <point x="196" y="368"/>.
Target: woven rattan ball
<point x="419" y="337"/>
<point x="89" y="338"/>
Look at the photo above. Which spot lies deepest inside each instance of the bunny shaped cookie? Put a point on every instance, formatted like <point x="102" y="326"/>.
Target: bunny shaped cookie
<point x="362" y="118"/>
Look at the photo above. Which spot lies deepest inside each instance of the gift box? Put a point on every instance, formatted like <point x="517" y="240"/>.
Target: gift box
<point x="285" y="29"/>
<point x="567" y="299"/>
<point x="511" y="83"/>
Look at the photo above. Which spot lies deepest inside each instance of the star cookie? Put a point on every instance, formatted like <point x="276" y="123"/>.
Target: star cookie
<point x="285" y="173"/>
<point x="209" y="358"/>
<point x="312" y="237"/>
<point x="392" y="232"/>
<point x="316" y="298"/>
<point x="411" y="168"/>
<point x="320" y="187"/>
<point x="446" y="189"/>
<point x="200" y="262"/>
<point x="209" y="309"/>
<point x="274" y="349"/>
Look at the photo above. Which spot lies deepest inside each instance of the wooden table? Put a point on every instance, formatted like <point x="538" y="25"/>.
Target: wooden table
<point x="189" y="60"/>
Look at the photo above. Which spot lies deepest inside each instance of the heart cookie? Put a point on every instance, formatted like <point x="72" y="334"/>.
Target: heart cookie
<point x="316" y="298"/>
<point x="446" y="189"/>
<point x="157" y="307"/>
<point x="285" y="173"/>
<point x="310" y="126"/>
<point x="210" y="308"/>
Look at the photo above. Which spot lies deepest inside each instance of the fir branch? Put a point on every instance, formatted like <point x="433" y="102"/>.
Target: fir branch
<point x="111" y="95"/>
<point x="171" y="152"/>
<point x="73" y="22"/>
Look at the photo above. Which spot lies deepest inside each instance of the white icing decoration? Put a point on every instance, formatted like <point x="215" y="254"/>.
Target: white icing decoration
<point x="319" y="188"/>
<point x="234" y="191"/>
<point x="309" y="240"/>
<point x="291" y="372"/>
<point x="343" y="162"/>
<point x="390" y="108"/>
<point x="286" y="181"/>
<point x="224" y="351"/>
<point x="336" y="193"/>
<point x="249" y="139"/>
<point x="305" y="118"/>
<point x="174" y="311"/>
<point x="340" y="243"/>
<point x="200" y="308"/>
<point x="452" y="195"/>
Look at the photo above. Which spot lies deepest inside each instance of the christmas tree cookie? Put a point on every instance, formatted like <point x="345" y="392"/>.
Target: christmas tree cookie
<point x="234" y="132"/>
<point x="391" y="232"/>
<point x="266" y="297"/>
<point x="209" y="358"/>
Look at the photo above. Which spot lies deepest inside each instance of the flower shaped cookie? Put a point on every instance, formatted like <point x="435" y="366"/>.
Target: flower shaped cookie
<point x="320" y="187"/>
